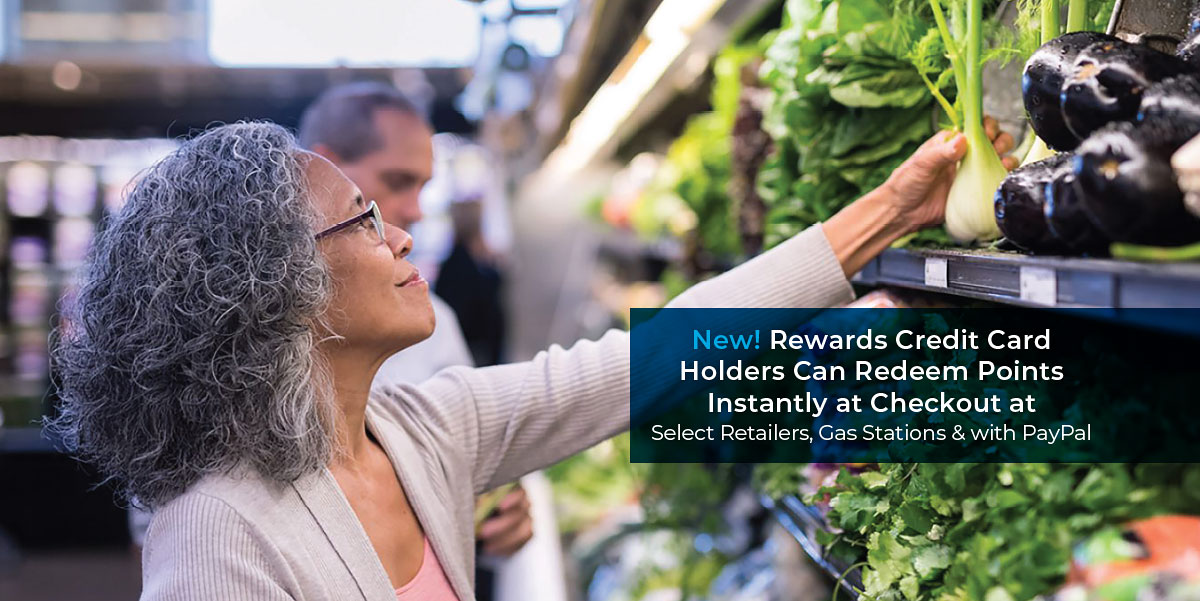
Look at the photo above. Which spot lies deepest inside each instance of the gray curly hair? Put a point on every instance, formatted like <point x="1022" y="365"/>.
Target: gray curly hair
<point x="190" y="349"/>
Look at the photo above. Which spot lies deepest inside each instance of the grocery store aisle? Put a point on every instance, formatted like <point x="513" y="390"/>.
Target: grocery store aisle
<point x="83" y="575"/>
<point x="554" y="248"/>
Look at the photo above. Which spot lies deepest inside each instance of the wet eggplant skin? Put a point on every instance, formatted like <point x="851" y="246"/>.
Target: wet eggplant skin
<point x="1128" y="188"/>
<point x="1020" y="202"/>
<point x="1067" y="219"/>
<point x="1042" y="82"/>
<point x="1108" y="80"/>
<point x="1174" y="101"/>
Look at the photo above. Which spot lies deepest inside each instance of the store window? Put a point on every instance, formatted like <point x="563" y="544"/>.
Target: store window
<point x="354" y="33"/>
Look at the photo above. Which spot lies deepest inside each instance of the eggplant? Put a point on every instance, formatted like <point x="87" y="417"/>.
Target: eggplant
<point x="1042" y="82"/>
<point x="1019" y="205"/>
<point x="1189" y="48"/>
<point x="1174" y="101"/>
<point x="1107" y="82"/>
<point x="1128" y="188"/>
<point x="1066" y="217"/>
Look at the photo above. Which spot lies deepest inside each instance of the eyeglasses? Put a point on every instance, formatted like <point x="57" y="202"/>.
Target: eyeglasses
<point x="371" y="214"/>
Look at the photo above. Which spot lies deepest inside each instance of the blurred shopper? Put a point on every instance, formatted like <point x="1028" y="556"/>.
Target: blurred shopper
<point x="470" y="281"/>
<point x="382" y="141"/>
<point x="230" y="323"/>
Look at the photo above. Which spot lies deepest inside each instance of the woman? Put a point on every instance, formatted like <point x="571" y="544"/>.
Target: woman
<point x="218" y="365"/>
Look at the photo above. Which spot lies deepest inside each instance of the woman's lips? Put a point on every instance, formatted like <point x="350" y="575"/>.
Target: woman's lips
<point x="414" y="279"/>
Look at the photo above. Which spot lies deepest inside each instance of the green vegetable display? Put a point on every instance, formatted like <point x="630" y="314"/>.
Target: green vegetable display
<point x="855" y="86"/>
<point x="847" y="106"/>
<point x="696" y="172"/>
<point x="995" y="532"/>
<point x="695" y="179"/>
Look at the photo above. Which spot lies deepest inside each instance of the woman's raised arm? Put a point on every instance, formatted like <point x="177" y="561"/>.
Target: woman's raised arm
<point x="509" y="420"/>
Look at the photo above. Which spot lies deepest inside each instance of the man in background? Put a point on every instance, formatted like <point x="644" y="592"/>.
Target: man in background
<point x="382" y="141"/>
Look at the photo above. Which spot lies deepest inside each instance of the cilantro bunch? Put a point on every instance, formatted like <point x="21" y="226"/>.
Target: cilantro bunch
<point x="998" y="532"/>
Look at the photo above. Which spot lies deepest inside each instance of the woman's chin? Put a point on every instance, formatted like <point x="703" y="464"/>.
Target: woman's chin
<point x="411" y="322"/>
<point x="429" y="315"/>
<point x="422" y="324"/>
<point x="426" y="331"/>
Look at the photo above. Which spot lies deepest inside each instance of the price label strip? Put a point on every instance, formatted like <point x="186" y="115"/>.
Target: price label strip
<point x="1039" y="285"/>
<point x="935" y="272"/>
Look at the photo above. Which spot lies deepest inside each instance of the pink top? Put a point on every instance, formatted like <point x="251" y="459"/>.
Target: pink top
<point x="430" y="583"/>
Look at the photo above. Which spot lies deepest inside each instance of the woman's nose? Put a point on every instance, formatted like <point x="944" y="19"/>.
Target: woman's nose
<point x="400" y="241"/>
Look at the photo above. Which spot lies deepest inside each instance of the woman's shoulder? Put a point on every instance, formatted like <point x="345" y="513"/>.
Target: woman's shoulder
<point x="239" y="496"/>
<point x="226" y="536"/>
<point x="241" y="486"/>
<point x="441" y="402"/>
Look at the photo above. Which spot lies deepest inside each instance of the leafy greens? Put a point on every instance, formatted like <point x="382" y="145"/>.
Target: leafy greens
<point x="848" y="106"/>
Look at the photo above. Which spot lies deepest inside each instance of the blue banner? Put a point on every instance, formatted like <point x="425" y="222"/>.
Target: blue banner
<point x="926" y="385"/>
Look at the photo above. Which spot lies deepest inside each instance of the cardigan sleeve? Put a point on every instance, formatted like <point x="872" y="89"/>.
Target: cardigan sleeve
<point x="508" y="420"/>
<point x="200" y="548"/>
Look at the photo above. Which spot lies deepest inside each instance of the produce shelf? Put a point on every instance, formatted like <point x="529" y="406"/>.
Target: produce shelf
<point x="803" y="522"/>
<point x="1019" y="279"/>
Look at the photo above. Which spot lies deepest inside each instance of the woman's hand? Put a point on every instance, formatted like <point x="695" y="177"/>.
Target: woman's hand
<point x="919" y="186"/>
<point x="509" y="527"/>
<point x="912" y="198"/>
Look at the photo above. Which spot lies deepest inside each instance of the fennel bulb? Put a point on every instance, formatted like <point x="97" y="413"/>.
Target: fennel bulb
<point x="970" y="215"/>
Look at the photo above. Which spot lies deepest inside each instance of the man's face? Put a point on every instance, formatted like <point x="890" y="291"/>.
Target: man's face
<point x="394" y="174"/>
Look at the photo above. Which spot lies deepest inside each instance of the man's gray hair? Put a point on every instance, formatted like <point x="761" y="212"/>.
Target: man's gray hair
<point x="191" y="347"/>
<point x="343" y="118"/>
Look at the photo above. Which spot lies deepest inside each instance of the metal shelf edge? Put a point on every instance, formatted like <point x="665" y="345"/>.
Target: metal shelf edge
<point x="798" y="520"/>
<point x="996" y="277"/>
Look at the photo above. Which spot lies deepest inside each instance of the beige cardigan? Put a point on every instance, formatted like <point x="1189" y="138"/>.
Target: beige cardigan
<point x="462" y="432"/>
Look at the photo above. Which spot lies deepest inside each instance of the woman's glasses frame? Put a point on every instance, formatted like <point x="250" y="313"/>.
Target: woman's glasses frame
<point x="372" y="213"/>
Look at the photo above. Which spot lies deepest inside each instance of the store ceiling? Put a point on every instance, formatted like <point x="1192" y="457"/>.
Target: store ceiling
<point x="614" y="25"/>
<point x="126" y="68"/>
<point x="139" y="101"/>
